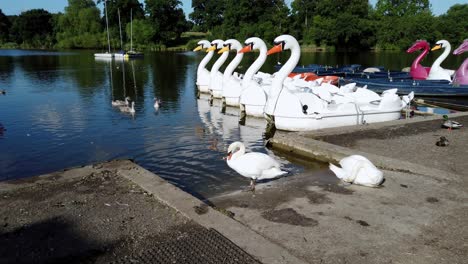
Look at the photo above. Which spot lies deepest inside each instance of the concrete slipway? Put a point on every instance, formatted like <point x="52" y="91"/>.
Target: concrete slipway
<point x="419" y="215"/>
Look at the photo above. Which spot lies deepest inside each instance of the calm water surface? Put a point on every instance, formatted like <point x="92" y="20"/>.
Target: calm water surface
<point x="57" y="113"/>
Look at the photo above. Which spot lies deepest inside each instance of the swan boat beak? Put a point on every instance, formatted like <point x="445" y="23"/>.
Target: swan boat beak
<point x="223" y="50"/>
<point x="247" y="48"/>
<point x="211" y="48"/>
<point x="275" y="49"/>
<point x="198" y="48"/>
<point x="436" y="47"/>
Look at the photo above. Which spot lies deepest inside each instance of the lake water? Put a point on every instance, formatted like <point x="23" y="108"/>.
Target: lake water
<point x="57" y="114"/>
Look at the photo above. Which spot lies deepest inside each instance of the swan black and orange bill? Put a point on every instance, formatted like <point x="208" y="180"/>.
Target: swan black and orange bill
<point x="223" y="50"/>
<point x="228" y="157"/>
<point x="211" y="48"/>
<point x="275" y="49"/>
<point x="247" y="48"/>
<point x="436" y="47"/>
<point x="198" y="48"/>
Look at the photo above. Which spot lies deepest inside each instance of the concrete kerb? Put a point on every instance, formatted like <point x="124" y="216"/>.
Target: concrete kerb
<point x="253" y="243"/>
<point x="327" y="152"/>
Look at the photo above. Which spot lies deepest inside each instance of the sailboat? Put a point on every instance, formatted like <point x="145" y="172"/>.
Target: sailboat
<point x="131" y="53"/>
<point x="120" y="54"/>
<point x="107" y="54"/>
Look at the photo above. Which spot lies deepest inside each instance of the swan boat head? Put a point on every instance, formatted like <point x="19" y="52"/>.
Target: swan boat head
<point x="202" y="44"/>
<point x="203" y="75"/>
<point x="437" y="72"/>
<point x="215" y="45"/>
<point x="232" y="82"/>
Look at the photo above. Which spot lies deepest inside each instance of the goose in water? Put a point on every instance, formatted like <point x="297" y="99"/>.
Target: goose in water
<point x="253" y="165"/>
<point x="358" y="170"/>
<point x="127" y="109"/>
<point x="120" y="102"/>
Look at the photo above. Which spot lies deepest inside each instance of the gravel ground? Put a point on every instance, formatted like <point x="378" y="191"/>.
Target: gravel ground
<point x="95" y="217"/>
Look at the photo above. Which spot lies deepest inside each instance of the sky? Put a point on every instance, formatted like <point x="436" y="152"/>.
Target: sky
<point x="15" y="7"/>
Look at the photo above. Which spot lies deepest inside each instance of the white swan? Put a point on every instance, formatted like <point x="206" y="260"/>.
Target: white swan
<point x="127" y="109"/>
<point x="231" y="82"/>
<point x="305" y="110"/>
<point x="437" y="72"/>
<point x="253" y="165"/>
<point x="359" y="170"/>
<point x="203" y="75"/>
<point x="120" y="102"/>
<point x="157" y="103"/>
<point x="253" y="96"/>
<point x="216" y="77"/>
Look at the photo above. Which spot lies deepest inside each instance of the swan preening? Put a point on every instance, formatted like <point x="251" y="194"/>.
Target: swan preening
<point x="292" y="103"/>
<point x="358" y="170"/>
<point x="253" y="165"/>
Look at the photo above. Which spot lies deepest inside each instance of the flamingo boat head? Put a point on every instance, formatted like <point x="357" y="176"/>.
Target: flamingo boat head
<point x="202" y="44"/>
<point x="463" y="47"/>
<point x="419" y="45"/>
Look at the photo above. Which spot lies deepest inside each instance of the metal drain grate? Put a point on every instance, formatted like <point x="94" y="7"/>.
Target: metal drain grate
<point x="205" y="247"/>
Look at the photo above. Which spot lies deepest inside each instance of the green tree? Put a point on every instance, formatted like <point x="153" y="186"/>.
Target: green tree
<point x="453" y="26"/>
<point x="80" y="26"/>
<point x="401" y="22"/>
<point x="401" y="8"/>
<point x="207" y="14"/>
<point x="5" y="25"/>
<point x="143" y="32"/>
<point x="244" y="18"/>
<point x="168" y="19"/>
<point x="344" y="24"/>
<point x="33" y="28"/>
<point x="302" y="15"/>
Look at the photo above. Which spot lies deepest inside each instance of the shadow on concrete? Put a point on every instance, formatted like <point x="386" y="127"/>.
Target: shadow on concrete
<point x="51" y="241"/>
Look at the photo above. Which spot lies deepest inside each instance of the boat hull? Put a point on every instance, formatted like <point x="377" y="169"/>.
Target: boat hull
<point x="315" y="122"/>
<point x="231" y="101"/>
<point x="203" y="88"/>
<point x="252" y="110"/>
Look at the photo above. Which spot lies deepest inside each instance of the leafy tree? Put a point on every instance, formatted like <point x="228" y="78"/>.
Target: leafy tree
<point x="207" y="14"/>
<point x="167" y="17"/>
<point x="401" y="8"/>
<point x="126" y="8"/>
<point x="80" y="26"/>
<point x="401" y="22"/>
<point x="143" y="32"/>
<point x="454" y="24"/>
<point x="302" y="14"/>
<point x="5" y="25"/>
<point x="244" y="18"/>
<point x="33" y="28"/>
<point x="343" y="24"/>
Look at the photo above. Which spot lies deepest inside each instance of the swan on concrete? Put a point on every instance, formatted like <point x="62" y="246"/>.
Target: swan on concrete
<point x="253" y="165"/>
<point x="358" y="170"/>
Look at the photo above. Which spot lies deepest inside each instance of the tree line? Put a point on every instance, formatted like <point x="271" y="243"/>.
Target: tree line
<point x="342" y="25"/>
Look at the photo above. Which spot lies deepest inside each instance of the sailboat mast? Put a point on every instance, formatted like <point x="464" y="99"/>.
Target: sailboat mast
<point x="107" y="27"/>
<point x="120" y="29"/>
<point x="131" y="28"/>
